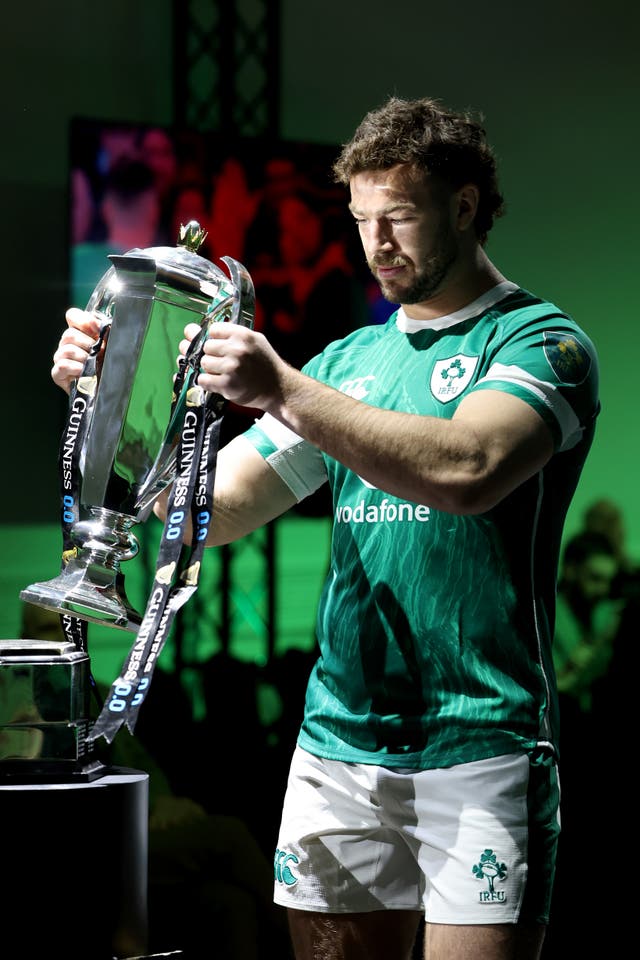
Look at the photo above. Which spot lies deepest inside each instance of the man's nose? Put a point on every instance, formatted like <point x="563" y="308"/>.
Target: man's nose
<point x="382" y="237"/>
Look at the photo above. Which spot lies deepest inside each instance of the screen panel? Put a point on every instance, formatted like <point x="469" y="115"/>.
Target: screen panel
<point x="270" y="204"/>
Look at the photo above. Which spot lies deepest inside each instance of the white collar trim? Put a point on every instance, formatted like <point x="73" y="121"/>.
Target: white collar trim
<point x="406" y="325"/>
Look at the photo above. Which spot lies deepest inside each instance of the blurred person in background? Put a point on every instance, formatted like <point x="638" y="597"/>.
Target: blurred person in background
<point x="130" y="212"/>
<point x="587" y="616"/>
<point x="156" y="149"/>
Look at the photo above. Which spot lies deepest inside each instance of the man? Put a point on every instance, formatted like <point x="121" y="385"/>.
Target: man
<point x="587" y="625"/>
<point x="587" y="616"/>
<point x="130" y="211"/>
<point x="593" y="698"/>
<point x="452" y="438"/>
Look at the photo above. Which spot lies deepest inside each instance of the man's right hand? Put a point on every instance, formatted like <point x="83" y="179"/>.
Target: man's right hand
<point x="73" y="349"/>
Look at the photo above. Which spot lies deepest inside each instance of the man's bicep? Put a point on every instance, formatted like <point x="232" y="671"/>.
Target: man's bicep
<point x="248" y="493"/>
<point x="515" y="438"/>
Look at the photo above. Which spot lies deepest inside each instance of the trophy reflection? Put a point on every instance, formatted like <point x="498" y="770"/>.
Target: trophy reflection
<point x="130" y="416"/>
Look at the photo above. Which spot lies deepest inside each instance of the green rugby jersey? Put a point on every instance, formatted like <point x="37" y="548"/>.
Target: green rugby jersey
<point x="435" y="629"/>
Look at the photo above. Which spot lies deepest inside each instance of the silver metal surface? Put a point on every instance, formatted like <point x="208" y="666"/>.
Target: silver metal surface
<point x="145" y="299"/>
<point x="44" y="708"/>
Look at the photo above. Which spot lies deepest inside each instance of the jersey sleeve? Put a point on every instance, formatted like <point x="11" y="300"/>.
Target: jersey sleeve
<point x="552" y="365"/>
<point x="298" y="463"/>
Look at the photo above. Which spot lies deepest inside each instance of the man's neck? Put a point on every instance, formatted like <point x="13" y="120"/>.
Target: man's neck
<point x="467" y="281"/>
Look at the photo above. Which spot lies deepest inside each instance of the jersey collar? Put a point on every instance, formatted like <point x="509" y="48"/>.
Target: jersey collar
<point x="406" y="325"/>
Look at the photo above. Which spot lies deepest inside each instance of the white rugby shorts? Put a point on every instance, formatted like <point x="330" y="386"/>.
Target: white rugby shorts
<point x="473" y="843"/>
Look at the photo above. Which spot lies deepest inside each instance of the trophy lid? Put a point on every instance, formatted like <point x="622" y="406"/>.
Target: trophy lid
<point x="181" y="265"/>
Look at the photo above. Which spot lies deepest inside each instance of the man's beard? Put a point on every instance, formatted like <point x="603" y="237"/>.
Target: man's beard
<point x="427" y="281"/>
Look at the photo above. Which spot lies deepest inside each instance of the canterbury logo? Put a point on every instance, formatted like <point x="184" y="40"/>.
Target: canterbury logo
<point x="283" y="863"/>
<point x="358" y="388"/>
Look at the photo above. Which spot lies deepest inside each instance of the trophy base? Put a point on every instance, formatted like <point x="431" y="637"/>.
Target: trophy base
<point x="76" y="592"/>
<point x="32" y="771"/>
<point x="45" y="722"/>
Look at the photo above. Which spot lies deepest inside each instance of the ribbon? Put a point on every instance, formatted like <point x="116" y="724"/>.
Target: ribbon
<point x="177" y="567"/>
<point x="71" y="445"/>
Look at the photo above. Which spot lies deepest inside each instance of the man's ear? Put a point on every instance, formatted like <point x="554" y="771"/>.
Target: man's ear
<point x="466" y="200"/>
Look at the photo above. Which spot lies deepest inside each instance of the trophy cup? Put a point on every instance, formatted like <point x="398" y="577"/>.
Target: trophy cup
<point x="131" y="415"/>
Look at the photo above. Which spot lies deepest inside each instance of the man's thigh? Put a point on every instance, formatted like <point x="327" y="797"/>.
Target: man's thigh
<point x="393" y="935"/>
<point x="378" y="935"/>
<point x="491" y="941"/>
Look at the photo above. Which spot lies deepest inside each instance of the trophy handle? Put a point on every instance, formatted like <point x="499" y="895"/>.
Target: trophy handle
<point x="244" y="305"/>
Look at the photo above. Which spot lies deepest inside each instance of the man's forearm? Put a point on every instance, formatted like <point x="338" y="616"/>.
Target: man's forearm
<point x="455" y="465"/>
<point x="247" y="494"/>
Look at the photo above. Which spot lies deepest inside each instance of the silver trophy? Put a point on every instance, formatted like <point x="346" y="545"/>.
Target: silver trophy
<point x="127" y="456"/>
<point x="44" y="711"/>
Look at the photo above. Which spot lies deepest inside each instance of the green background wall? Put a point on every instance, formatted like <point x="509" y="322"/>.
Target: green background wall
<point x="558" y="84"/>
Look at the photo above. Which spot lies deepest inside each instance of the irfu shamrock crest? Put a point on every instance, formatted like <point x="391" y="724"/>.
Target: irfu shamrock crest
<point x="450" y="377"/>
<point x="490" y="869"/>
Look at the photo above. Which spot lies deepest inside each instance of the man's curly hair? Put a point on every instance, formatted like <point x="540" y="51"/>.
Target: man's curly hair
<point x="422" y="133"/>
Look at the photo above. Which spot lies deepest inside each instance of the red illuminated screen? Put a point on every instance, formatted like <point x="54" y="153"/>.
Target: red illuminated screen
<point x="272" y="205"/>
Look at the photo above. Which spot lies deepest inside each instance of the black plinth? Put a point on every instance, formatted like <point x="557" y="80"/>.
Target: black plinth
<point x="73" y="881"/>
